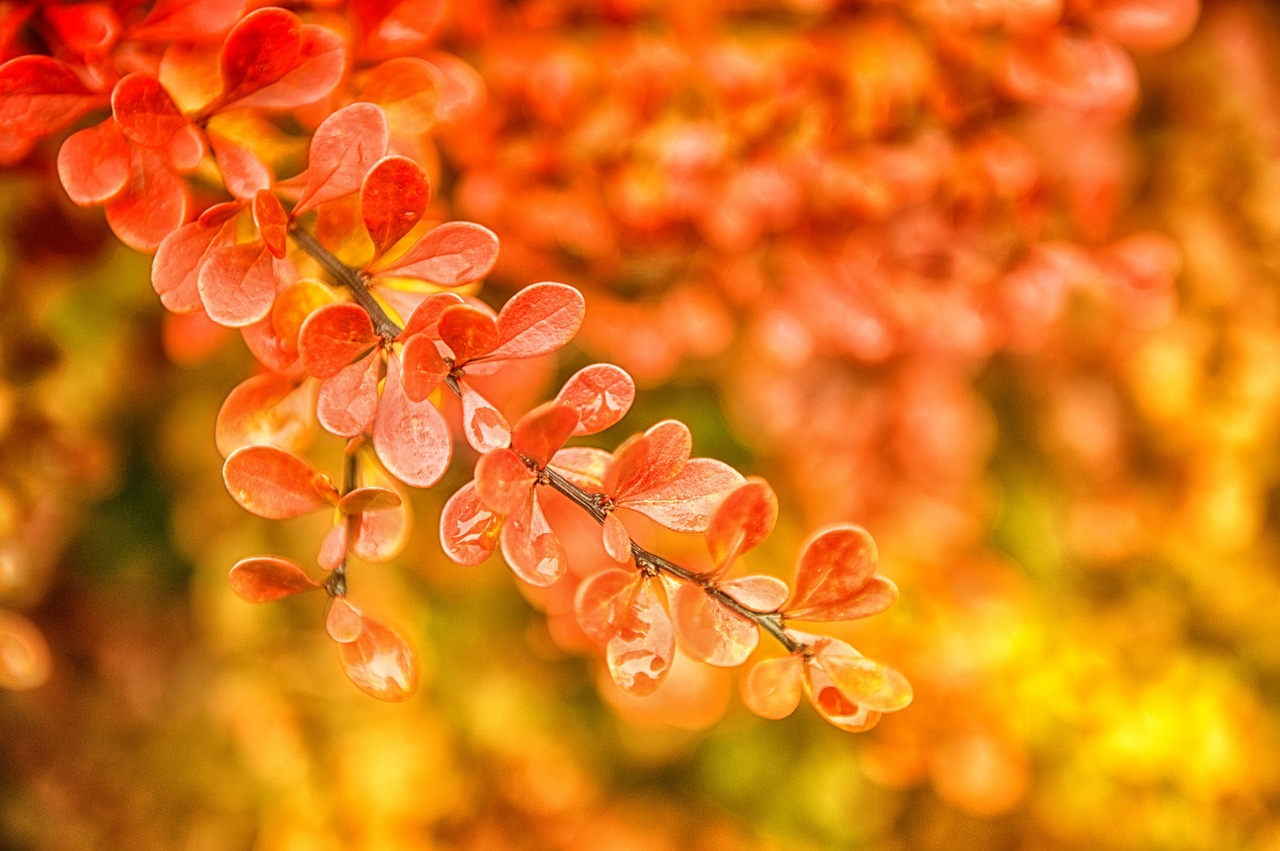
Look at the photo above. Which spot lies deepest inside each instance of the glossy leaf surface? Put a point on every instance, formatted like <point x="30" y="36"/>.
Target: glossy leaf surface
<point x="152" y="204"/>
<point x="540" y="433"/>
<point x="469" y="331"/>
<point x="502" y="481"/>
<point x="175" y="269"/>
<point x="333" y="337"/>
<point x="93" y="163"/>
<point x="243" y="173"/>
<point x="271" y="221"/>
<point x="772" y="688"/>
<point x="380" y="662"/>
<point x="617" y="543"/>
<point x="654" y="459"/>
<point x="468" y="529"/>
<point x="483" y="425"/>
<point x="687" y="502"/>
<point x="238" y="283"/>
<point x="266" y="579"/>
<point x="344" y="148"/>
<point x="834" y="578"/>
<point x="273" y="483"/>
<point x="272" y="60"/>
<point x="530" y="548"/>
<point x="267" y="409"/>
<point x="450" y="255"/>
<point x="411" y="438"/>
<point x="639" y="654"/>
<point x="40" y="95"/>
<point x="393" y="197"/>
<point x="601" y="394"/>
<point x="537" y="320"/>
<point x="742" y="520"/>
<point x="343" y="621"/>
<point x="709" y="632"/>
<point x="144" y="111"/>
<point x="348" y="400"/>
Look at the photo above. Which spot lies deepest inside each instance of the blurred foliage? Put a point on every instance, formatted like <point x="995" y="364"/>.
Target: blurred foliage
<point x="1082" y="509"/>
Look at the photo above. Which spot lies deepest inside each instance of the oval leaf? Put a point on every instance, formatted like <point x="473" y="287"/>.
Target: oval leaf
<point x="272" y="60"/>
<point x="393" y="197"/>
<point x="639" y="655"/>
<point x="601" y="394"/>
<point x="333" y="337"/>
<point x="266" y="579"/>
<point x="238" y="283"/>
<point x="542" y="431"/>
<point x="772" y="688"/>
<point x="267" y="409"/>
<point x="468" y="530"/>
<point x="144" y="111"/>
<point x="348" y="400"/>
<point x="686" y="503"/>
<point x="503" y="482"/>
<point x="709" y="632"/>
<point x="411" y="438"/>
<point x="344" y="148"/>
<point x="453" y="254"/>
<point x="835" y="564"/>
<point x="380" y="662"/>
<point x="93" y="164"/>
<point x="343" y="621"/>
<point x="537" y="320"/>
<point x="275" y="484"/>
<point x="744" y="519"/>
<point x="530" y="548"/>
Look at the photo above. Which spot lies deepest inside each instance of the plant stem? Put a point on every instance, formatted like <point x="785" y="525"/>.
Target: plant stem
<point x="771" y="622"/>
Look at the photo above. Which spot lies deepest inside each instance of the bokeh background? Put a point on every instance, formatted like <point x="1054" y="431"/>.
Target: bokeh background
<point x="997" y="279"/>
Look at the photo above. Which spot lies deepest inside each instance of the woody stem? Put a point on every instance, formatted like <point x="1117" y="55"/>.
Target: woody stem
<point x="352" y="279"/>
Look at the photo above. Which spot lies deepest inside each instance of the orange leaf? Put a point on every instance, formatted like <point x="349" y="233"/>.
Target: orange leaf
<point x="537" y="320"/>
<point x="542" y="431"/>
<point x="176" y="267"/>
<point x="243" y="174"/>
<point x="265" y="579"/>
<point x="344" y="148"/>
<point x="654" y="459"/>
<point x="468" y="530"/>
<point x="238" y="283"/>
<point x="380" y="662"/>
<point x="393" y="198"/>
<point x="530" y="548"/>
<point x="334" y="337"/>
<point x="144" y="111"/>
<point x="502" y="480"/>
<point x="386" y="29"/>
<point x="601" y="394"/>
<point x="450" y="255"/>
<point x="152" y="205"/>
<point x="758" y="593"/>
<point x="411" y="438"/>
<point x="267" y="409"/>
<point x="686" y="503"/>
<point x="343" y="621"/>
<point x="40" y="95"/>
<point x="482" y="424"/>
<point x="742" y="520"/>
<point x="276" y="484"/>
<point x="835" y="567"/>
<point x="601" y="602"/>
<point x="348" y="400"/>
<point x="271" y="221"/>
<point x="640" y="654"/>
<point x="772" y="688"/>
<point x="93" y="164"/>
<point x="709" y="632"/>
<point x="617" y="543"/>
<point x="272" y="60"/>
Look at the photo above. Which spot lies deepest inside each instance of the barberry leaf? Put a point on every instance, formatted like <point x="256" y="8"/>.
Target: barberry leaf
<point x="272" y="60"/>
<point x="343" y="621"/>
<point x="542" y="431"/>
<point x="86" y="29"/>
<point x="369" y="498"/>
<point x="602" y="600"/>
<point x="469" y="331"/>
<point x="294" y="305"/>
<point x="411" y="438"/>
<point x="860" y="680"/>
<point x="387" y="28"/>
<point x="152" y="205"/>
<point x="333" y="338"/>
<point x="238" y="283"/>
<point x="274" y="483"/>
<point x="267" y="409"/>
<point x="482" y="424"/>
<point x="773" y="687"/>
<point x="93" y="163"/>
<point x="424" y="369"/>
<point x="585" y="466"/>
<point x="425" y="318"/>
<point x="640" y="654"/>
<point x="744" y="519"/>
<point x="393" y="197"/>
<point x="468" y="529"/>
<point x="185" y="150"/>
<point x="450" y="255"/>
<point x="835" y="569"/>
<point x="758" y="593"/>
<point x="655" y="458"/>
<point x="539" y="319"/>
<point x="144" y="111"/>
<point x="617" y="543"/>
<point x="380" y="662"/>
<point x="380" y="534"/>
<point x="709" y="632"/>
<point x="333" y="549"/>
<point x="344" y="148"/>
<point x="530" y="548"/>
<point x="243" y="174"/>
<point x="348" y="400"/>
<point x="271" y="221"/>
<point x="179" y="20"/>
<point x="686" y="503"/>
<point x="176" y="265"/>
<point x="268" y="347"/>
<point x="265" y="579"/>
<point x="503" y="482"/>
<point x="601" y="394"/>
<point x="40" y="95"/>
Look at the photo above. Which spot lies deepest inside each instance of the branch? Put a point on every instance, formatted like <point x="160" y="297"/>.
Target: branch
<point x="347" y="277"/>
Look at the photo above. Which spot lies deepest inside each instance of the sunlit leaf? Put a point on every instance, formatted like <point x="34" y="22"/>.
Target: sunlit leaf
<point x="348" y="400"/>
<point x="542" y="431"/>
<point x="152" y="204"/>
<point x="687" y="502"/>
<point x="411" y="438"/>
<point x="273" y="483"/>
<point x="862" y="681"/>
<point x="238" y="283"/>
<point x="380" y="662"/>
<point x="344" y="148"/>
<point x="538" y="319"/>
<point x="333" y="549"/>
<point x="271" y="221"/>
<point x="386" y="28"/>
<point x="482" y="424"/>
<point x="450" y="255"/>
<point x="773" y="687"/>
<point x="243" y="174"/>
<point x="469" y="331"/>
<point x="294" y="305"/>
<point x="758" y="593"/>
<point x="584" y="466"/>
<point x="709" y="632"/>
<point x="617" y="543"/>
<point x="342" y="620"/>
<point x="93" y="164"/>
<point x="267" y="409"/>
<point x="144" y="111"/>
<point x="655" y="458"/>
<point x="381" y="534"/>
<point x="185" y="150"/>
<point x="265" y="579"/>
<point x="426" y="317"/>
<point x="601" y="394"/>
<point x="742" y="520"/>
<point x="175" y="268"/>
<point x="601" y="602"/>
<point x="393" y="198"/>
<point x="835" y="567"/>
<point x="530" y="548"/>
<point x="333" y="338"/>
<point x="424" y="369"/>
<point x="468" y="530"/>
<point x="368" y="499"/>
<point x="41" y="95"/>
<point x="639" y="654"/>
<point x="272" y="60"/>
<point x="267" y="346"/>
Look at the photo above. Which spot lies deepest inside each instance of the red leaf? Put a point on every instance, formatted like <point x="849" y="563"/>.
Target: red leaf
<point x="271" y="221"/>
<point x="758" y="593"/>
<point x="859" y="680"/>
<point x="333" y="337"/>
<point x="470" y="332"/>
<point x="184" y="152"/>
<point x="386" y="28"/>
<point x="539" y="319"/>
<point x="709" y="632"/>
<point x="468" y="530"/>
<point x="503" y="482"/>
<point x="617" y="543"/>
<point x="272" y="483"/>
<point x="343" y="621"/>
<point x="772" y="688"/>
<point x="393" y="198"/>
<point x="272" y="60"/>
<point x="333" y="549"/>
<point x="542" y="431"/>
<point x="40" y="95"/>
<point x="482" y="424"/>
<point x="424" y="369"/>
<point x="86" y="29"/>
<point x="530" y="548"/>
<point x="601" y="394"/>
<point x="348" y="400"/>
<point x="243" y="173"/>
<point x="655" y="458"/>
<point x="271" y="350"/>
<point x="877" y="595"/>
<point x="835" y="565"/>
<point x="639" y="655"/>
<point x="426" y="317"/>
<point x="744" y="519"/>
<point x="453" y="254"/>
<point x="93" y="163"/>
<point x="381" y="534"/>
<point x="152" y="205"/>
<point x="368" y="499"/>
<point x="144" y="110"/>
<point x="266" y="579"/>
<point x="411" y="438"/>
<point x="344" y="148"/>
<point x="238" y="283"/>
<point x="179" y="20"/>
<point x="602" y="600"/>
<point x="585" y="466"/>
<point x="380" y="662"/>
<point x="686" y="503"/>
<point x="267" y="409"/>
